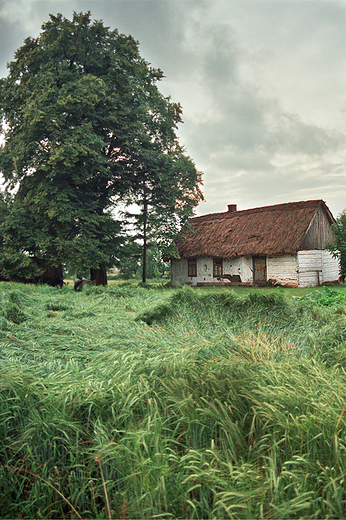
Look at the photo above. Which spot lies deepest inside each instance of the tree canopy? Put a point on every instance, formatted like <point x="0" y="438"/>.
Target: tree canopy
<point x="85" y="129"/>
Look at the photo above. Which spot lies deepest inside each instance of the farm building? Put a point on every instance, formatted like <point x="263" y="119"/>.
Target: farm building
<point x="282" y="244"/>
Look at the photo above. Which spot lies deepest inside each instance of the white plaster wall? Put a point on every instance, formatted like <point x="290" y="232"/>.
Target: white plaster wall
<point x="316" y="267"/>
<point x="204" y="270"/>
<point x="283" y="269"/>
<point x="241" y="266"/>
<point x="238" y="266"/>
<point x="246" y="269"/>
<point x="179" y="272"/>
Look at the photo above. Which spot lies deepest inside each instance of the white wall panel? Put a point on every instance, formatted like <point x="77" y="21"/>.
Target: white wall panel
<point x="317" y="267"/>
<point x="330" y="267"/>
<point x="179" y="271"/>
<point x="310" y="268"/>
<point x="283" y="269"/>
<point x="307" y="269"/>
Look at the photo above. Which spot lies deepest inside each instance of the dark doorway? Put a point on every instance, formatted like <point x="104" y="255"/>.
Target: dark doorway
<point x="259" y="270"/>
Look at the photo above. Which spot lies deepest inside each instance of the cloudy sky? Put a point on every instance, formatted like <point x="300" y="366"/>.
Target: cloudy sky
<point x="262" y="84"/>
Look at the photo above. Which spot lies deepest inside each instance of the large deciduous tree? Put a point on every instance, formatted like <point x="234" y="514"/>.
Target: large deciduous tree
<point x="86" y="127"/>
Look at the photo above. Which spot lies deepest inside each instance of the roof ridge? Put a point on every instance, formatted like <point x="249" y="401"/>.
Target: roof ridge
<point x="271" y="207"/>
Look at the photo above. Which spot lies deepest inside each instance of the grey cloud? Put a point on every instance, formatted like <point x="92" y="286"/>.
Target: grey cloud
<point x="240" y="119"/>
<point x="232" y="161"/>
<point x="234" y="114"/>
<point x="287" y="133"/>
<point x="220" y="63"/>
<point x="11" y="39"/>
<point x="271" y="187"/>
<point x="261" y="83"/>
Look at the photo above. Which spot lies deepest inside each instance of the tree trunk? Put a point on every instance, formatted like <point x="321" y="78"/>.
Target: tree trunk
<point x="52" y="276"/>
<point x="144" y="260"/>
<point x="51" y="273"/>
<point x="99" y="275"/>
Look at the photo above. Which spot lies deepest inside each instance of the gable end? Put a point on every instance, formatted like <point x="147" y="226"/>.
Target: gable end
<point x="319" y="232"/>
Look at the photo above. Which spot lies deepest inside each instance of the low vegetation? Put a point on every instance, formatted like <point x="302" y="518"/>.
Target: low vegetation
<point x="146" y="402"/>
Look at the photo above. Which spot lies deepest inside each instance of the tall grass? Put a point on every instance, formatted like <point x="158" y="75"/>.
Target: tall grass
<point x="136" y="402"/>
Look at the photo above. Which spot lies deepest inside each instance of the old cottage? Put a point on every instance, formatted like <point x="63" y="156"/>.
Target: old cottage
<point x="281" y="244"/>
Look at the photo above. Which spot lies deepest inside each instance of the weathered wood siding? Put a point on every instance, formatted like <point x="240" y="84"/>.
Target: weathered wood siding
<point x="309" y="268"/>
<point x="283" y="269"/>
<point x="330" y="267"/>
<point x="316" y="267"/>
<point x="319" y="232"/>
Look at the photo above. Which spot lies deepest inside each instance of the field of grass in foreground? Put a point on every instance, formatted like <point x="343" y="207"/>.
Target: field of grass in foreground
<point x="132" y="402"/>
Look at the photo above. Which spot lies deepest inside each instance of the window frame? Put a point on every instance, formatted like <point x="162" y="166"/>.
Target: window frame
<point x="192" y="267"/>
<point x="217" y="267"/>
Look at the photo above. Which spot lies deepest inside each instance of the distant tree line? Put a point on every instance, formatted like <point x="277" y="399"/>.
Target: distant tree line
<point x="87" y="131"/>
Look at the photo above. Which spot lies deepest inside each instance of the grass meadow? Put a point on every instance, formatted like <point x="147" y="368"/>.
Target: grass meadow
<point x="149" y="402"/>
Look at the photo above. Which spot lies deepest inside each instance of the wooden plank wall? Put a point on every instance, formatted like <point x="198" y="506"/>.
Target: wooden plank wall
<point x="316" y="267"/>
<point x="309" y="268"/>
<point x="330" y="267"/>
<point x="319" y="232"/>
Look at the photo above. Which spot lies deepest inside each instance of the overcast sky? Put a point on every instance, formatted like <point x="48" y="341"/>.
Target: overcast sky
<point x="262" y="84"/>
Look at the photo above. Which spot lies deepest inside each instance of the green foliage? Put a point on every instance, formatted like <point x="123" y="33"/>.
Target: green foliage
<point x="338" y="249"/>
<point x="226" y="406"/>
<point x="131" y="261"/>
<point x="327" y="297"/>
<point x="54" y="148"/>
<point x="156" y="267"/>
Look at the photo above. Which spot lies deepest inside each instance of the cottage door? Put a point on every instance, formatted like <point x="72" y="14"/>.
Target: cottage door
<point x="259" y="270"/>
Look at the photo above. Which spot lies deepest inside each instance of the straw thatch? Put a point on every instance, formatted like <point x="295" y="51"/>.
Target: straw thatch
<point x="266" y="231"/>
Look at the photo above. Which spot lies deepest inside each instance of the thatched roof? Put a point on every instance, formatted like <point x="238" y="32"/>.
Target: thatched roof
<point x="267" y="231"/>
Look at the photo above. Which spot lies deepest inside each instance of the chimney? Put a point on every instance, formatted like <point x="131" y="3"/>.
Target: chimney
<point x="232" y="207"/>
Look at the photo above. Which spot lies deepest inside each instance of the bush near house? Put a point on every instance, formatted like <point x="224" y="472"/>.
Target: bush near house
<point x="338" y="249"/>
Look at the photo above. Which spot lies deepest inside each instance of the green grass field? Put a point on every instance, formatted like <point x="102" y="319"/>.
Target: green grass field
<point x="150" y="402"/>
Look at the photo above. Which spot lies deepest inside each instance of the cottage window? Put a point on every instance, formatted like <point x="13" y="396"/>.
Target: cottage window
<point x="192" y="267"/>
<point x="217" y="267"/>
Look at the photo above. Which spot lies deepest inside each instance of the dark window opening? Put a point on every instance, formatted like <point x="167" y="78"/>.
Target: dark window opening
<point x="192" y="267"/>
<point x="217" y="267"/>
